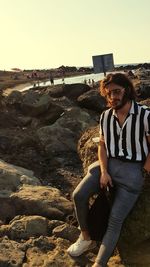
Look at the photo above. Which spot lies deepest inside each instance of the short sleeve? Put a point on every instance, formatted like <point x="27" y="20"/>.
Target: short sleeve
<point x="147" y="124"/>
<point x="101" y="130"/>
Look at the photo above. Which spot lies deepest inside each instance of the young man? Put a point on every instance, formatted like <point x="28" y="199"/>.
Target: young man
<point x="123" y="152"/>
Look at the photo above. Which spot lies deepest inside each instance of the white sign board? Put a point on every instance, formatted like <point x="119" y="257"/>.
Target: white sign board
<point x="103" y="63"/>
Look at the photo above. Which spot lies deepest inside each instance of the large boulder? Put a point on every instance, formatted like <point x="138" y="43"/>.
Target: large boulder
<point x="63" y="102"/>
<point x="92" y="100"/>
<point x="64" y="133"/>
<point x="47" y="252"/>
<point x="23" y="227"/>
<point x="56" y="139"/>
<point x="41" y="200"/>
<point x="15" y="98"/>
<point x="72" y="91"/>
<point x="11" y="177"/>
<point x="87" y="148"/>
<point x="37" y="106"/>
<point x="22" y="193"/>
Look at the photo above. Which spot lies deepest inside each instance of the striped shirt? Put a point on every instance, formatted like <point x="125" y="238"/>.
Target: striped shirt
<point x="128" y="142"/>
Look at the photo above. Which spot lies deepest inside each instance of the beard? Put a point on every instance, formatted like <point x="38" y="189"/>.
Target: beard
<point x="117" y="103"/>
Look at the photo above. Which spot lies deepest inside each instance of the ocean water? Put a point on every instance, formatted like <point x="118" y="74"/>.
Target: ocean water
<point x="77" y="79"/>
<point x="69" y="80"/>
<point x="81" y="78"/>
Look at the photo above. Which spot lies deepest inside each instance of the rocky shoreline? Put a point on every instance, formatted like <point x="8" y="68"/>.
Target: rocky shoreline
<point x="45" y="147"/>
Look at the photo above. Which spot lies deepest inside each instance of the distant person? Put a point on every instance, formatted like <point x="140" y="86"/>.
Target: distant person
<point x="85" y="81"/>
<point x="123" y="151"/>
<point x="63" y="80"/>
<point x="52" y="80"/>
<point x="93" y="83"/>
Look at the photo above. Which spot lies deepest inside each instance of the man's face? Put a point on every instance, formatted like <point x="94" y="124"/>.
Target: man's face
<point x="115" y="96"/>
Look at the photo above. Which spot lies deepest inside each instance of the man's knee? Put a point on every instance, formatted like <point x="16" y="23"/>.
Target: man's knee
<point x="78" y="196"/>
<point x="94" y="169"/>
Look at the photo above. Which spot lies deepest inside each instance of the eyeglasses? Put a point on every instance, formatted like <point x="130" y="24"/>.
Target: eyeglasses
<point x="114" y="92"/>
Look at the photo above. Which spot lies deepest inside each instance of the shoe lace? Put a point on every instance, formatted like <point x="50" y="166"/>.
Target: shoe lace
<point x="79" y="241"/>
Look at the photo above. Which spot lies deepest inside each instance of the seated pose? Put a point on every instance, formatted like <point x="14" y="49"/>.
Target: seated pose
<point x="123" y="152"/>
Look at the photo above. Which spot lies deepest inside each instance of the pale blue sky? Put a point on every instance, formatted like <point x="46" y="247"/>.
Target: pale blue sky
<point x="51" y="33"/>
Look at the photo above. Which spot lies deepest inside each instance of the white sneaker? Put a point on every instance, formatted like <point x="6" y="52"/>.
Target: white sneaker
<point x="80" y="246"/>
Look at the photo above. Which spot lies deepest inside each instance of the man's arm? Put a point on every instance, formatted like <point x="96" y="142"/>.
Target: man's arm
<point x="105" y="178"/>
<point x="147" y="162"/>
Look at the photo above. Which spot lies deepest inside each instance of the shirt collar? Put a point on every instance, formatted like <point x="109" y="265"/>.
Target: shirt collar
<point x="133" y="109"/>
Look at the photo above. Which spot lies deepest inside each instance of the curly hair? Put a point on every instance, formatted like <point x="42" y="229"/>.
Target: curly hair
<point x="121" y="80"/>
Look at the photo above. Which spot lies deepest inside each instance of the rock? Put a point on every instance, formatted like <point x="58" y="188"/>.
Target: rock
<point x="53" y="113"/>
<point x="11" y="177"/>
<point x="15" y="98"/>
<point x="7" y="209"/>
<point x="11" y="253"/>
<point x="24" y="120"/>
<point x="72" y="91"/>
<point x="53" y="224"/>
<point x="142" y="73"/>
<point x="24" y="227"/>
<point x="64" y="102"/>
<point x="88" y="149"/>
<point x="41" y="200"/>
<point x="8" y="119"/>
<point x="92" y="100"/>
<point x="54" y="255"/>
<point x="56" y="139"/>
<point x="77" y="120"/>
<point x="5" y="142"/>
<point x="146" y="102"/>
<point x="36" y="108"/>
<point x="65" y="231"/>
<point x="145" y="91"/>
<point x="63" y="134"/>
<point x="4" y="230"/>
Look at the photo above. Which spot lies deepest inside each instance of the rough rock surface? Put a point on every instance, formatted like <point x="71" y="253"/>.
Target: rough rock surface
<point x="92" y="100"/>
<point x="42" y="200"/>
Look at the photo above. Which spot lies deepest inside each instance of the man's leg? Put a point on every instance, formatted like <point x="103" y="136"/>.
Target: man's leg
<point x="123" y="203"/>
<point x="89" y="186"/>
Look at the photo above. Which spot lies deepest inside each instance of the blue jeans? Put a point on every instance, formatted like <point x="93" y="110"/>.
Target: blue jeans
<point x="128" y="181"/>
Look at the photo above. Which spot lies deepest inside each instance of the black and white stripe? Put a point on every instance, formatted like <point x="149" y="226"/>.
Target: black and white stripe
<point x="128" y="142"/>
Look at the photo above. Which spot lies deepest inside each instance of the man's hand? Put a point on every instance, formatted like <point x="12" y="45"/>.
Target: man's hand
<point x="105" y="180"/>
<point x="147" y="164"/>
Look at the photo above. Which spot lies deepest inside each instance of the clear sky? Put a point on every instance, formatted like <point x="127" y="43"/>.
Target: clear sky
<point x="50" y="33"/>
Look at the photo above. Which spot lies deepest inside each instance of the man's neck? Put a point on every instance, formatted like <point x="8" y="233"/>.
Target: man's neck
<point x="125" y="109"/>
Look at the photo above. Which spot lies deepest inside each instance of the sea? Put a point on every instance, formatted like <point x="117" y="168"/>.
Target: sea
<point x="76" y="79"/>
<point x="68" y="80"/>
